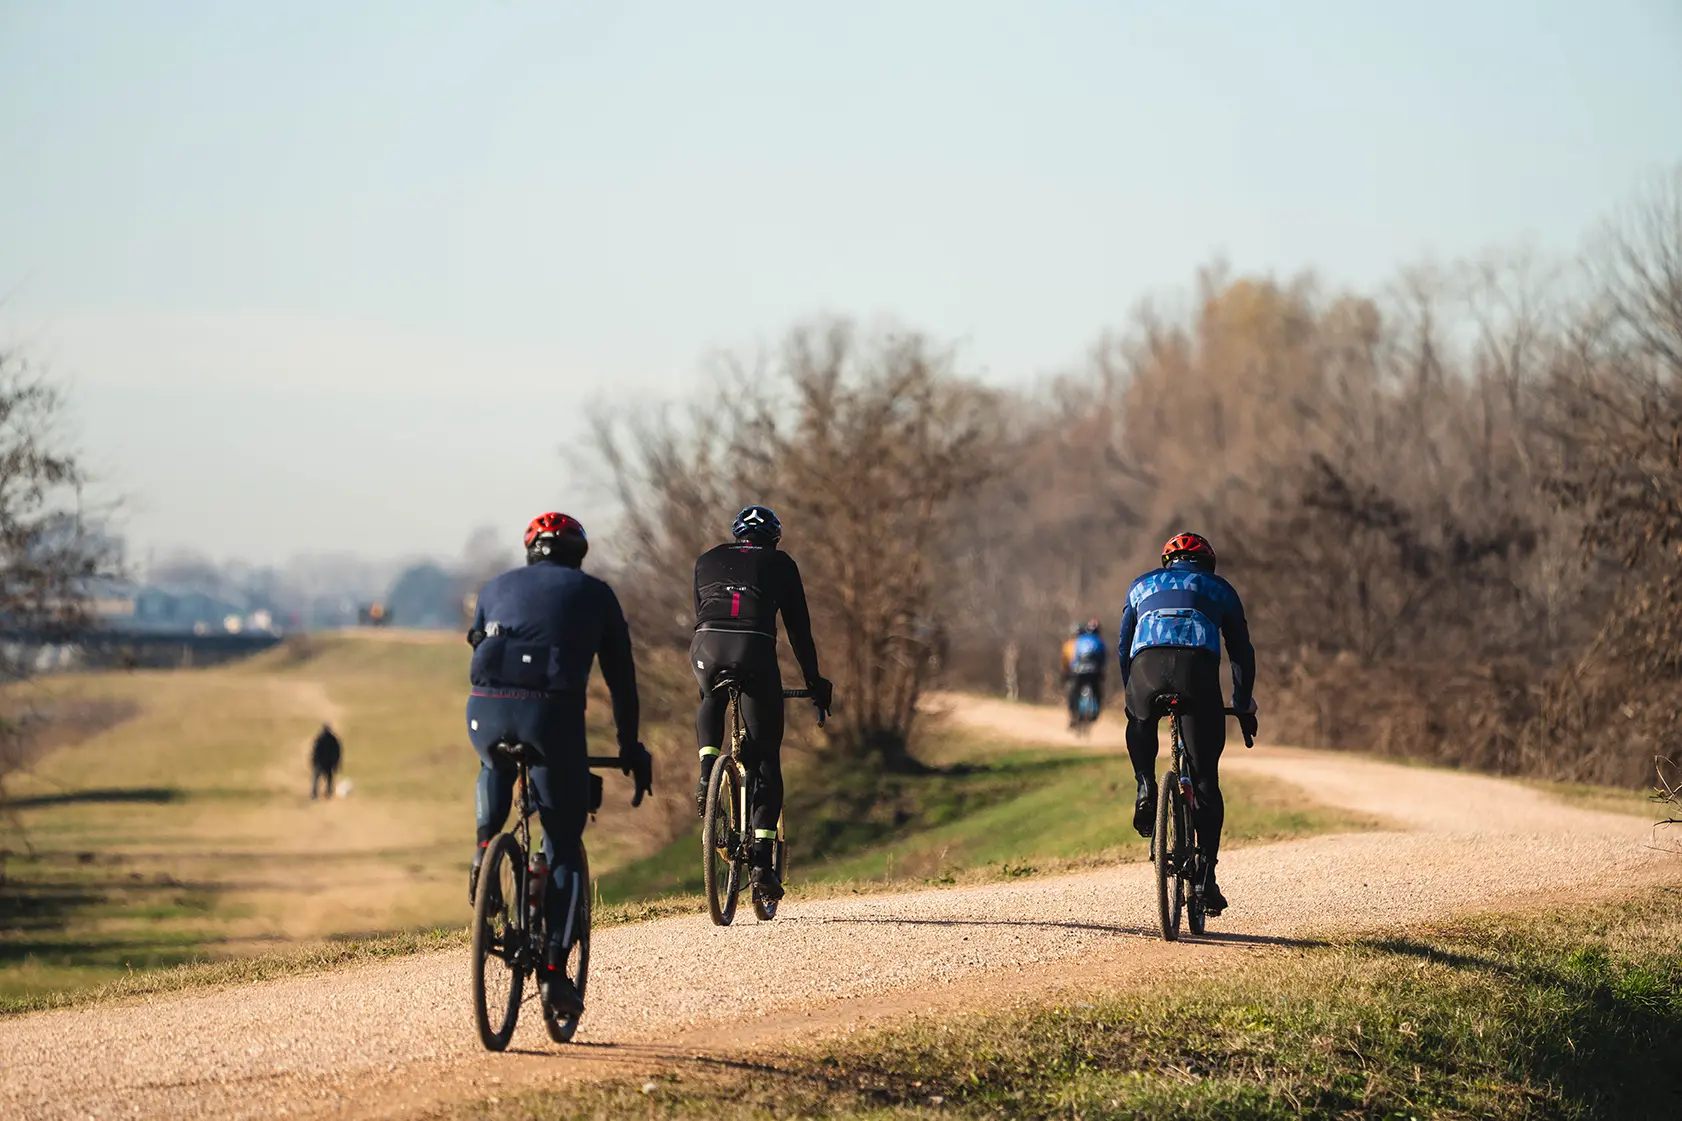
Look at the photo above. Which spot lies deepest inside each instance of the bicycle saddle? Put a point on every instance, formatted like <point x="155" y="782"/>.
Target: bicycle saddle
<point x="513" y="750"/>
<point x="728" y="680"/>
<point x="1165" y="703"/>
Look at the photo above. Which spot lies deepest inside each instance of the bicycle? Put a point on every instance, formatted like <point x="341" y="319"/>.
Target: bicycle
<point x="508" y="921"/>
<point x="1179" y="860"/>
<point x="1086" y="710"/>
<point x="726" y="835"/>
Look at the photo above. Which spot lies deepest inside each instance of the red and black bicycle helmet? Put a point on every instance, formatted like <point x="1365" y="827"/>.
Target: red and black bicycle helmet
<point x="556" y="537"/>
<point x="1189" y="546"/>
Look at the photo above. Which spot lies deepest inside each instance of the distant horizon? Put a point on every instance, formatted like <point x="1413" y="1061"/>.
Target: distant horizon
<point x="318" y="279"/>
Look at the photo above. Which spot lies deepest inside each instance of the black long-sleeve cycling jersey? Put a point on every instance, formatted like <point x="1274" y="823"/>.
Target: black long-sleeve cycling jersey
<point x="740" y="587"/>
<point x="540" y="627"/>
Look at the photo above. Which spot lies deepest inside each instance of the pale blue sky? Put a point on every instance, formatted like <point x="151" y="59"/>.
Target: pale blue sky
<point x="329" y="275"/>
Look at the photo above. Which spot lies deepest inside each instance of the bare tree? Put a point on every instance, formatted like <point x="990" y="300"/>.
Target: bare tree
<point x="1620" y="400"/>
<point x="863" y="444"/>
<point x="50" y="556"/>
<point x="866" y="448"/>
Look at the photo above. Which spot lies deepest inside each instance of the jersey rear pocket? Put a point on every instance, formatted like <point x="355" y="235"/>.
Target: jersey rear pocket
<point x="525" y="665"/>
<point x="729" y="601"/>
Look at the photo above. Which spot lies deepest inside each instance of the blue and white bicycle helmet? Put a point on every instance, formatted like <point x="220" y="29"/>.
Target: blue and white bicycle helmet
<point x="759" y="523"/>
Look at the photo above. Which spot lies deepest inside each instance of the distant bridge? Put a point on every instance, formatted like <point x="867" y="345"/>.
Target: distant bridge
<point x="112" y="646"/>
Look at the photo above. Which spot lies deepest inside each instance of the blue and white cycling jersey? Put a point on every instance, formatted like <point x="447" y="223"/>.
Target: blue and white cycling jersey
<point x="1183" y="606"/>
<point x="1088" y="655"/>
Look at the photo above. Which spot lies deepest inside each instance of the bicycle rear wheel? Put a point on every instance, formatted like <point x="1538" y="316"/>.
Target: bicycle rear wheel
<point x="563" y="1028"/>
<point x="721" y="841"/>
<point x="500" y="943"/>
<point x="1167" y="845"/>
<point x="766" y="909"/>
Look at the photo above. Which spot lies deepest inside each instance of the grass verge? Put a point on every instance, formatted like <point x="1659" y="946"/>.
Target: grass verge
<point x="1003" y="815"/>
<point x="1575" y="1014"/>
<point x="1602" y="799"/>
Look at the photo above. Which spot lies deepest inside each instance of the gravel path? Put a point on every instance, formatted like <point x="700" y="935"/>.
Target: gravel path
<point x="394" y="1038"/>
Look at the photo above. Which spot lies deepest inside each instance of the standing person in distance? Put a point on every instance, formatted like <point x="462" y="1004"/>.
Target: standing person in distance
<point x="325" y="755"/>
<point x="739" y="589"/>
<point x="535" y="633"/>
<point x="1171" y="631"/>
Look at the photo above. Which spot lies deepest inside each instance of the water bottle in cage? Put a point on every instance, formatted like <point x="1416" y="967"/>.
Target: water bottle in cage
<point x="537" y="879"/>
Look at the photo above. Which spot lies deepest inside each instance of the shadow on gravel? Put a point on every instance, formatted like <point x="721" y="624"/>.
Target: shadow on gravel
<point x="1067" y="924"/>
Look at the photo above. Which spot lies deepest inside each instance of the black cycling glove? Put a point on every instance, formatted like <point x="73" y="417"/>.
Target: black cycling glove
<point x="635" y="760"/>
<point x="1247" y="724"/>
<point x="823" y="694"/>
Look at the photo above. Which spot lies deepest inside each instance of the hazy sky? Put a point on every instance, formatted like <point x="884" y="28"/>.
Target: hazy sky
<point x="330" y="275"/>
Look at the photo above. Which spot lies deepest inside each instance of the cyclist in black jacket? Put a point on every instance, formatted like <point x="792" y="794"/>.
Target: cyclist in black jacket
<point x="739" y="588"/>
<point x="534" y="636"/>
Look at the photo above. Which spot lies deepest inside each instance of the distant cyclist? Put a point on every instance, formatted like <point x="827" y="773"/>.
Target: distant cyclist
<point x="1084" y="663"/>
<point x="739" y="589"/>
<point x="535" y="632"/>
<point x="1171" y="632"/>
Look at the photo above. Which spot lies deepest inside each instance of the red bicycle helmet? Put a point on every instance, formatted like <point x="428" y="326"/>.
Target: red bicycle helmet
<point x="1189" y="546"/>
<point x="556" y="536"/>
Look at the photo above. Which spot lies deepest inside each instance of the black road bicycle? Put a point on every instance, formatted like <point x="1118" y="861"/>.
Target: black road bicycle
<point x="509" y="933"/>
<point x="726" y="820"/>
<point x="1179" y="859"/>
<point x="1085" y="712"/>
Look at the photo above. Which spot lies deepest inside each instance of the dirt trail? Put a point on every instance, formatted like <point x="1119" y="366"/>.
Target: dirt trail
<point x="395" y="1039"/>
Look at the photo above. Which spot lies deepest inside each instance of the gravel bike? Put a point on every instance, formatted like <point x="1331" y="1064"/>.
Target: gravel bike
<point x="1086" y="710"/>
<point x="510" y="936"/>
<point x="1179" y="859"/>
<point x="726" y="819"/>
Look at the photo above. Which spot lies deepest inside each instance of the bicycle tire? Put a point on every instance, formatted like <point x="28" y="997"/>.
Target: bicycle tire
<point x="766" y="909"/>
<point x="1189" y="887"/>
<point x="722" y="855"/>
<point x="1166" y="847"/>
<point x="563" y="1028"/>
<point x="511" y="939"/>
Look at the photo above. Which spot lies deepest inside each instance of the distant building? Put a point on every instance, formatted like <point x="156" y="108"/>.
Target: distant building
<point x="161" y="610"/>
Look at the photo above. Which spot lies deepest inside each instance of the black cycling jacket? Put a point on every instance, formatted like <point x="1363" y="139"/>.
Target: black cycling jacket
<point x="543" y="625"/>
<point x="740" y="587"/>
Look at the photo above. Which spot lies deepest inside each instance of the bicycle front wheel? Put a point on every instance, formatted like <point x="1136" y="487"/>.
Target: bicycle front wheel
<point x="500" y="943"/>
<point x="1166" y="844"/>
<point x="721" y="841"/>
<point x="563" y="1028"/>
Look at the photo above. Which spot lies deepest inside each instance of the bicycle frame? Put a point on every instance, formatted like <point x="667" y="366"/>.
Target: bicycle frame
<point x="1176" y="845"/>
<point x="529" y="954"/>
<point x="736" y="785"/>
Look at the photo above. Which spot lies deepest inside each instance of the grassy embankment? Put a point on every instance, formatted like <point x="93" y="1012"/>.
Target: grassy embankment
<point x="185" y="832"/>
<point x="992" y="810"/>
<point x="1558" y="1014"/>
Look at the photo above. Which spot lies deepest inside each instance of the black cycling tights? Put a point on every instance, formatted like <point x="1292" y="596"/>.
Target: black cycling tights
<point x="1196" y="676"/>
<point x="752" y="660"/>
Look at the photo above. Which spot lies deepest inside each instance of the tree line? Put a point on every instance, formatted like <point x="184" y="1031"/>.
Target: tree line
<point x="1453" y="504"/>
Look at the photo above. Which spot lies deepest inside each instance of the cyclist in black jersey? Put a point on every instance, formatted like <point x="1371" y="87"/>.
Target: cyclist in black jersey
<point x="535" y="634"/>
<point x="739" y="589"/>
